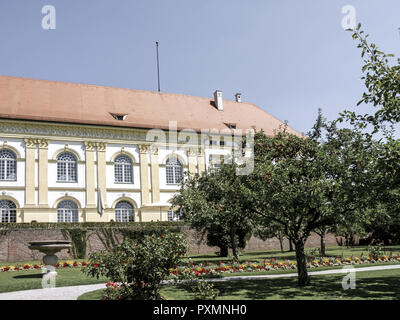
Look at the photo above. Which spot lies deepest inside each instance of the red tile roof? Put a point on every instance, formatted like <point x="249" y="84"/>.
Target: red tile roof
<point x="42" y="100"/>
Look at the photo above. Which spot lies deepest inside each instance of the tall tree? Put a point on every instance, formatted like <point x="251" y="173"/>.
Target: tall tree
<point x="307" y="183"/>
<point x="212" y="204"/>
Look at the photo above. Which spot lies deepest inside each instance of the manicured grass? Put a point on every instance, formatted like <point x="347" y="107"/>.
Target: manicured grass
<point x="259" y="256"/>
<point x="384" y="284"/>
<point x="32" y="279"/>
<point x="24" y="280"/>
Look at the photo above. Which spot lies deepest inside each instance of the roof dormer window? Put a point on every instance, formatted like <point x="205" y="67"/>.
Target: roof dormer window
<point x="118" y="116"/>
<point x="231" y="125"/>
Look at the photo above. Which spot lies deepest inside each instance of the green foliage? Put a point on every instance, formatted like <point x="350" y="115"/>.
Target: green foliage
<point x="78" y="238"/>
<point x="375" y="252"/>
<point x="139" y="267"/>
<point x="213" y="205"/>
<point x="138" y="233"/>
<point x="312" y="253"/>
<point x="88" y="225"/>
<point x="382" y="82"/>
<point x="107" y="236"/>
<point x="304" y="184"/>
<point x="204" y="290"/>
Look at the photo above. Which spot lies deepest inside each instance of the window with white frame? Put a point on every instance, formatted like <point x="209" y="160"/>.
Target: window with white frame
<point x="124" y="212"/>
<point x="8" y="165"/>
<point x="67" y="211"/>
<point x="173" y="216"/>
<point x="8" y="211"/>
<point x="123" y="170"/>
<point x="215" y="161"/>
<point x="174" y="171"/>
<point x="67" y="167"/>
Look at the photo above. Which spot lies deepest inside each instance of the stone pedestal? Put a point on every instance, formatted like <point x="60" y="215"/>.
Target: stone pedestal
<point x="49" y="248"/>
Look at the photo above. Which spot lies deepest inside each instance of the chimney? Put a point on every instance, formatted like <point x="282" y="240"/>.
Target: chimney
<point x="218" y="100"/>
<point x="238" y="97"/>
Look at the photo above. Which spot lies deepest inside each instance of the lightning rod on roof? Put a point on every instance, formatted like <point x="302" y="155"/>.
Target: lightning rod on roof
<point x="158" y="68"/>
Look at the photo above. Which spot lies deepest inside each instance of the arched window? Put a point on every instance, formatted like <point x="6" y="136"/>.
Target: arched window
<point x="174" y="171"/>
<point x="124" y="212"/>
<point x="8" y="212"/>
<point x="8" y="165"/>
<point x="123" y="169"/>
<point x="67" y="211"/>
<point x="67" y="167"/>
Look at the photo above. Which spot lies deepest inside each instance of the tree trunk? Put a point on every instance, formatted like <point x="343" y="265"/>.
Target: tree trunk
<point x="323" y="247"/>
<point x="281" y="242"/>
<point x="234" y="244"/>
<point x="303" y="278"/>
<point x="223" y="251"/>
<point x="290" y="245"/>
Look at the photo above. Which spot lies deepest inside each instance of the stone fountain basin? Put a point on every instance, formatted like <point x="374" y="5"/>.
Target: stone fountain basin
<point x="50" y="248"/>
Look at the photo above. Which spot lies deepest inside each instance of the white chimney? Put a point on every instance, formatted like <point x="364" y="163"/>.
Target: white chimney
<point x="218" y="100"/>
<point x="238" y="97"/>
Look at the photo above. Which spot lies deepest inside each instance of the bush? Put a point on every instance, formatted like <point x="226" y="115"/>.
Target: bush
<point x="312" y="253"/>
<point x="138" y="267"/>
<point x="375" y="252"/>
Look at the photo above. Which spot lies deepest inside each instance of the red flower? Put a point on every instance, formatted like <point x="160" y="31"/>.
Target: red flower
<point x="95" y="265"/>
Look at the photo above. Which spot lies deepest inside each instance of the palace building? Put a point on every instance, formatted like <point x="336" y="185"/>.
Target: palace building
<point x="85" y="153"/>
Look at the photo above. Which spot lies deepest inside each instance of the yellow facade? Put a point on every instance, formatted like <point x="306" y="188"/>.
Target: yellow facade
<point x="37" y="193"/>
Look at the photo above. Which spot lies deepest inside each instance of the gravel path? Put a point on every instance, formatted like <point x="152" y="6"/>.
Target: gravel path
<point x="73" y="292"/>
<point x="59" y="293"/>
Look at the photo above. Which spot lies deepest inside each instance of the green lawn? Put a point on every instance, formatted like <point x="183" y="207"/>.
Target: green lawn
<point x="24" y="280"/>
<point x="277" y="254"/>
<point x="32" y="279"/>
<point x="369" y="285"/>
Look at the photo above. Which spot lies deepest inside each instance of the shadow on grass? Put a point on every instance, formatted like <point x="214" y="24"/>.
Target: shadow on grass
<point x="29" y="276"/>
<point x="322" y="287"/>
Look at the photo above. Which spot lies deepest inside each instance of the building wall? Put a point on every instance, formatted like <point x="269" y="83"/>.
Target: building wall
<point x="36" y="192"/>
<point x="14" y="244"/>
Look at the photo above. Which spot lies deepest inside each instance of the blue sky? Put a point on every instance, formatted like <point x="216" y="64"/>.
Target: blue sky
<point x="290" y="57"/>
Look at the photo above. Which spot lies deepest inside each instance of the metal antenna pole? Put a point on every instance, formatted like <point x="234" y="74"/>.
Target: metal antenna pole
<point x="158" y="68"/>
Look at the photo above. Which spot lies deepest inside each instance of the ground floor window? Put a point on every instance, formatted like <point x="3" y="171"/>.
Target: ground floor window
<point x="124" y="212"/>
<point x="173" y="216"/>
<point x="8" y="211"/>
<point x="67" y="211"/>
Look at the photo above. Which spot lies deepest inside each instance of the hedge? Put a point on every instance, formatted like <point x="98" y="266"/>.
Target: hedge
<point x="91" y="225"/>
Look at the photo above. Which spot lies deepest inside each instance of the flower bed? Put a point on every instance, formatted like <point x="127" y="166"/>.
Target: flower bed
<point x="21" y="267"/>
<point x="208" y="269"/>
